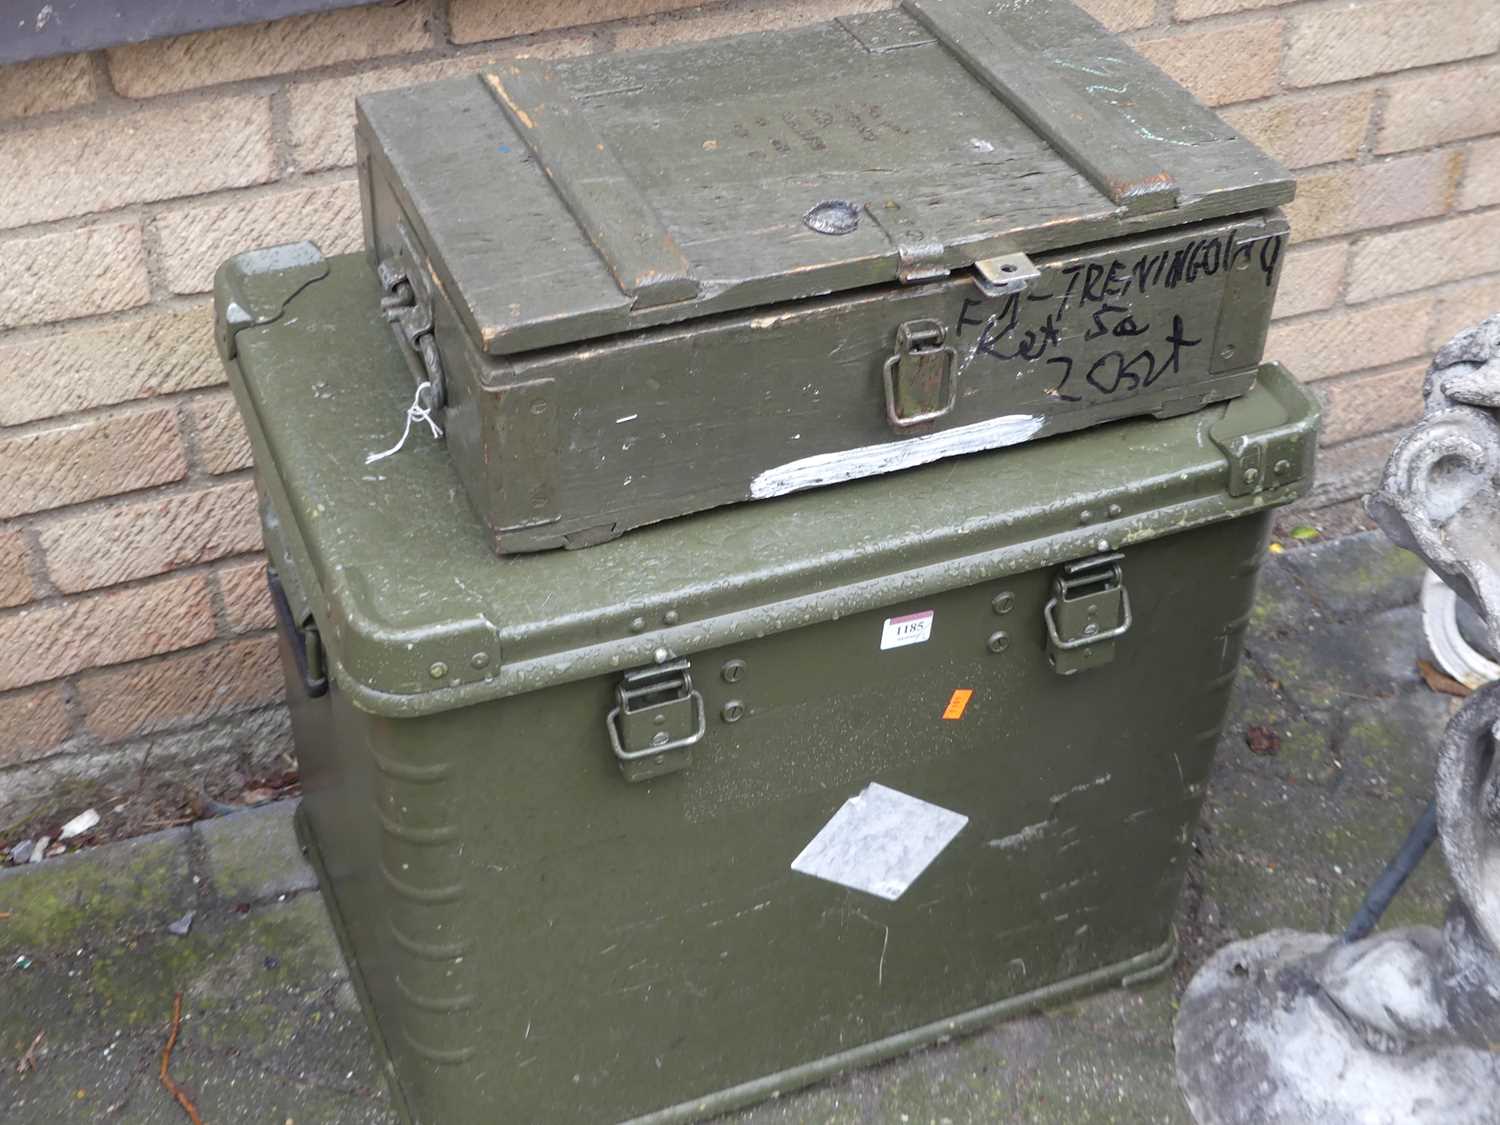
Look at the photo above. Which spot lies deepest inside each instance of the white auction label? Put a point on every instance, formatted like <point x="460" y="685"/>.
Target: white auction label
<point x="879" y="842"/>
<point x="912" y="629"/>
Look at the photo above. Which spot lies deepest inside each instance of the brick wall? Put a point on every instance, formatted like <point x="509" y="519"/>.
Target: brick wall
<point x="133" y="626"/>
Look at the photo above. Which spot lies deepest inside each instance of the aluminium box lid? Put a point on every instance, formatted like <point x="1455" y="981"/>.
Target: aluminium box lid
<point x="570" y="199"/>
<point x="419" y="615"/>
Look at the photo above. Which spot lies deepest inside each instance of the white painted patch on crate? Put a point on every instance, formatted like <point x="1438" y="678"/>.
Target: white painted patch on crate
<point x="868" y="460"/>
<point x="910" y="629"/>
<point x="879" y="842"/>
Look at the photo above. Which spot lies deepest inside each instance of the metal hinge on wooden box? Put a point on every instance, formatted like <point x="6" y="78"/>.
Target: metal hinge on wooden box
<point x="646" y="284"/>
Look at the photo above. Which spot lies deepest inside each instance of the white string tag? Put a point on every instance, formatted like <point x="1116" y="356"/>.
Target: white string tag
<point x="416" y="412"/>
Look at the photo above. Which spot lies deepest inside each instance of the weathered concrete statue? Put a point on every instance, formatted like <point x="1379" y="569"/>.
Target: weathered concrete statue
<point x="1402" y="1028"/>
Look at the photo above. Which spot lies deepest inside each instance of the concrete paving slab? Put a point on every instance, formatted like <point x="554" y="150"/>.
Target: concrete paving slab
<point x="270" y="1029"/>
<point x="1389" y="748"/>
<point x="1324" y="666"/>
<point x="254" y="855"/>
<point x="1354" y="576"/>
<point x="1267" y="734"/>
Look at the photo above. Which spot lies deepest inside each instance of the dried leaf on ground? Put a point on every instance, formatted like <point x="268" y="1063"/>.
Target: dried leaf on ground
<point x="1440" y="681"/>
<point x="28" y="1060"/>
<point x="1263" y="740"/>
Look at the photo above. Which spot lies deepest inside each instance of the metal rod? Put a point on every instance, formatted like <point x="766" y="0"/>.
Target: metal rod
<point x="1391" y="880"/>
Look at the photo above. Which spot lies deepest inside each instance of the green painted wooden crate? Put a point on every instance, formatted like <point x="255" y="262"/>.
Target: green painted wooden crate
<point x="644" y="284"/>
<point x="734" y="802"/>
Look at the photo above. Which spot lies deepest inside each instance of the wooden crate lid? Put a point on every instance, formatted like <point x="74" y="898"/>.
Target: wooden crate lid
<point x="567" y="200"/>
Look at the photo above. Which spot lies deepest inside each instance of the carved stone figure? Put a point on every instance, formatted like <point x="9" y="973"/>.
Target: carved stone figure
<point x="1402" y="1028"/>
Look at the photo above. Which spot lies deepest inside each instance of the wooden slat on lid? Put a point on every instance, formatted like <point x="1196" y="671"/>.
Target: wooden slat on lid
<point x="1094" y="143"/>
<point x="609" y="207"/>
<point x="714" y="154"/>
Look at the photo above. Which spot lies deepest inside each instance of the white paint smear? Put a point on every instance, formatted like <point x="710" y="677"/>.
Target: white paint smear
<point x="868" y="460"/>
<point x="879" y="842"/>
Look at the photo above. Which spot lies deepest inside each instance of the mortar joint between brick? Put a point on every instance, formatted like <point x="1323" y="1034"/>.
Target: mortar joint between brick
<point x="102" y="413"/>
<point x="156" y="270"/>
<point x="74" y="709"/>
<point x="300" y="181"/>
<point x="1390" y="435"/>
<point x="116" y="106"/>
<point x="99" y="505"/>
<point x="201" y="569"/>
<point x="104" y="85"/>
<point x="219" y="605"/>
<point x="187" y="431"/>
<point x="1218" y="21"/>
<point x="1357" y="240"/>
<point x="1370" y="145"/>
<point x="281" y="136"/>
<point x="35" y="333"/>
<point x="1356" y="84"/>
<point x="439" y="25"/>
<point x="69" y="224"/>
<point x="42" y="587"/>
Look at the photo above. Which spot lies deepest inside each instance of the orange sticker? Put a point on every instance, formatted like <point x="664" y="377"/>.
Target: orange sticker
<point x="957" y="702"/>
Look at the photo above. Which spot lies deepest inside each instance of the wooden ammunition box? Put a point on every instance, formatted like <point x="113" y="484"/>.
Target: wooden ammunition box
<point x="644" y="284"/>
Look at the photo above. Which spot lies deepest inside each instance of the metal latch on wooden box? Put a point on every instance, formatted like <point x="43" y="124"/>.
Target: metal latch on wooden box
<point x="921" y="378"/>
<point x="1004" y="274"/>
<point x="657" y="718"/>
<point x="407" y="305"/>
<point x="1089" y="611"/>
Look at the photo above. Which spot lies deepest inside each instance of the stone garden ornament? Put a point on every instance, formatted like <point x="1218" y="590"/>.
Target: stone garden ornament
<point x="1402" y="1028"/>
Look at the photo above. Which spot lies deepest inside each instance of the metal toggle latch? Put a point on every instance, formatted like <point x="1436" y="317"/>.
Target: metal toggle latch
<point x="1089" y="611"/>
<point x="407" y="305"/>
<point x="921" y="381"/>
<point x="657" y="718"/>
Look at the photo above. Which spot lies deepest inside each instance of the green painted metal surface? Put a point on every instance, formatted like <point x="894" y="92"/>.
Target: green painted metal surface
<point x="652" y="283"/>
<point x="540" y="938"/>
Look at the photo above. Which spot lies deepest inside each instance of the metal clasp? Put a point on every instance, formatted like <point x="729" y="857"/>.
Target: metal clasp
<point x="921" y="383"/>
<point x="657" y="718"/>
<point x="407" y="305"/>
<point x="1089" y="611"/>
<point x="1004" y="274"/>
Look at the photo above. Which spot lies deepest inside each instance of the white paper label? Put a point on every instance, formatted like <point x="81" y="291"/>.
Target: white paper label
<point x="879" y="842"/>
<point x="913" y="629"/>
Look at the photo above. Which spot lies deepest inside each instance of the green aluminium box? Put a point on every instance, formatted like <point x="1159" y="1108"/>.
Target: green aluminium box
<point x="637" y="285"/>
<point x="734" y="802"/>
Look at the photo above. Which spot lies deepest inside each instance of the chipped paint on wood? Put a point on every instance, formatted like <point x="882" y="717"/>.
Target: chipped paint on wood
<point x="493" y="80"/>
